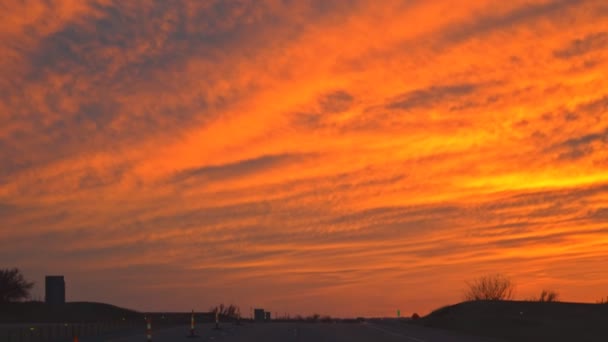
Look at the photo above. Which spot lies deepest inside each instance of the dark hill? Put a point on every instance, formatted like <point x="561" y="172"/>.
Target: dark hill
<point x="74" y="312"/>
<point x="524" y="320"/>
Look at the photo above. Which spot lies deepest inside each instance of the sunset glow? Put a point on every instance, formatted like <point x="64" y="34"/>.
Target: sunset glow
<point x="341" y="157"/>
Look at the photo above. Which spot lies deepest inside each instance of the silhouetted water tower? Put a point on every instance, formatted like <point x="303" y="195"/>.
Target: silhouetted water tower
<point x="54" y="290"/>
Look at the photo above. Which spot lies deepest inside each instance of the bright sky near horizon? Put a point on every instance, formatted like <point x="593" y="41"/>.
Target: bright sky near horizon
<point x="341" y="157"/>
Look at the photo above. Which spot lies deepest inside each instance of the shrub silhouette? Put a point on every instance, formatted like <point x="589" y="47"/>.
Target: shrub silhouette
<point x="326" y="319"/>
<point x="13" y="287"/>
<point x="490" y="287"/>
<point x="548" y="296"/>
<point x="415" y="316"/>
<point x="230" y="311"/>
<point x="313" y="318"/>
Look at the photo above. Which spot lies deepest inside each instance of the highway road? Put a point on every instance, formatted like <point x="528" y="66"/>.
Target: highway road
<point x="299" y="332"/>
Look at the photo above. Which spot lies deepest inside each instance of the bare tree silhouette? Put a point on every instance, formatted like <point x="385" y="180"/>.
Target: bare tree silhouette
<point x="231" y="311"/>
<point x="548" y="296"/>
<point x="13" y="286"/>
<point x="490" y="287"/>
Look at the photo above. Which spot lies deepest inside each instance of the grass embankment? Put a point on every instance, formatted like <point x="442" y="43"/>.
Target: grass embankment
<point x="524" y="320"/>
<point x="75" y="312"/>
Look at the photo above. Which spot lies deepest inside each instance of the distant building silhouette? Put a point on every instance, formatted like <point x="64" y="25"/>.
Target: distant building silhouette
<point x="259" y="315"/>
<point x="54" y="290"/>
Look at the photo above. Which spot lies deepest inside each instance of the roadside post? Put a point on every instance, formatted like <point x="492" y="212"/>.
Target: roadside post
<point x="192" y="334"/>
<point x="149" y="329"/>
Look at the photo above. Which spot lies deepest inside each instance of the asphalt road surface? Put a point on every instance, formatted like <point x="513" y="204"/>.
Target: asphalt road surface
<point x="299" y="332"/>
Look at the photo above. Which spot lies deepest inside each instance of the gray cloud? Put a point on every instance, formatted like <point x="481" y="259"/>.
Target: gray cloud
<point x="122" y="52"/>
<point x="582" y="46"/>
<point x="47" y="218"/>
<point x="547" y="239"/>
<point x="118" y="52"/>
<point x="208" y="216"/>
<point x="599" y="104"/>
<point x="470" y="104"/>
<point x="93" y="178"/>
<point x="236" y="169"/>
<point x="532" y="240"/>
<point x="544" y="197"/>
<point x="579" y="147"/>
<point x="160" y="36"/>
<point x="587" y="139"/>
<point x="7" y="209"/>
<point x="90" y="127"/>
<point x="522" y="213"/>
<point x="599" y="215"/>
<point x="336" y="102"/>
<point x="491" y="23"/>
<point x="430" y="96"/>
<point x="328" y="104"/>
<point x="164" y="30"/>
<point x="419" y="212"/>
<point x="126" y="250"/>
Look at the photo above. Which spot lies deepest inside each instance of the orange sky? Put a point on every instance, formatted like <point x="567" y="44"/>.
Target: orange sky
<point x="341" y="157"/>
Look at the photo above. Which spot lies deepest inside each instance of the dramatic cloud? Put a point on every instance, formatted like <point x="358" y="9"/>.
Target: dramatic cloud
<point x="590" y="43"/>
<point x="234" y="170"/>
<point x="580" y="146"/>
<point x="304" y="156"/>
<point x="430" y="96"/>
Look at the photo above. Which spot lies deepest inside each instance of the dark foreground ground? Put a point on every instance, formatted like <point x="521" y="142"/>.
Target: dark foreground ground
<point x="300" y="332"/>
<point x="469" y="321"/>
<point x="524" y="321"/>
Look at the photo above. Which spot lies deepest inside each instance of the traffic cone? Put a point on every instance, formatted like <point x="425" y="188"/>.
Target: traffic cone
<point x="149" y="329"/>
